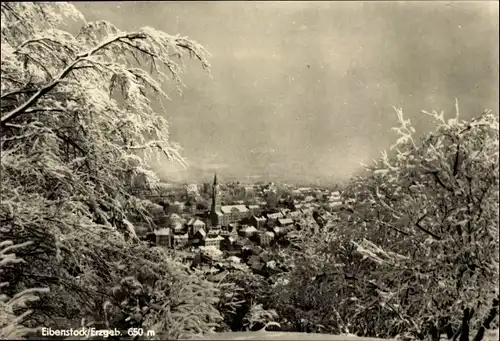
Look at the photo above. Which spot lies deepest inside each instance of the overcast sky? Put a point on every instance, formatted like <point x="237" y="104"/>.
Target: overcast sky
<point x="307" y="88"/>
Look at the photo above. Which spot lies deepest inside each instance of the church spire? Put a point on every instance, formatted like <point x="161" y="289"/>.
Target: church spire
<point x="215" y="202"/>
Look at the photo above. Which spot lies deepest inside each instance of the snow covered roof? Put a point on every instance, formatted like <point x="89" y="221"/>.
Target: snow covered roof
<point x="202" y="232"/>
<point x="198" y="222"/>
<point x="182" y="236"/>
<point x="162" y="232"/>
<point x="286" y="221"/>
<point x="250" y="229"/>
<point x="234" y="259"/>
<point x="275" y="215"/>
<point x="195" y="221"/>
<point x="229" y="208"/>
<point x="215" y="238"/>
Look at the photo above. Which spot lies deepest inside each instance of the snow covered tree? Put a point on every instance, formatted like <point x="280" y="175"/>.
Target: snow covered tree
<point x="431" y="219"/>
<point x="78" y="128"/>
<point x="416" y="253"/>
<point x="11" y="324"/>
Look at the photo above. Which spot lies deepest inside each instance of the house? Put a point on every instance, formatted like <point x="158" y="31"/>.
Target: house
<point x="334" y="204"/>
<point x="254" y="209"/>
<point x="285" y="222"/>
<point x="213" y="241"/>
<point x="335" y="196"/>
<point x="230" y="244"/>
<point x="180" y="240"/>
<point x="194" y="225"/>
<point x="163" y="236"/>
<point x="229" y="231"/>
<point x="305" y="210"/>
<point x="249" y="191"/>
<point x="248" y="231"/>
<point x="266" y="237"/>
<point x="274" y="216"/>
<point x="281" y="230"/>
<point x="304" y="189"/>
<point x="235" y="212"/>
<point x="179" y="229"/>
<point x="257" y="221"/>
<point x="174" y="219"/>
<point x="285" y="211"/>
<point x="214" y="230"/>
<point x="199" y="237"/>
<point x="175" y="207"/>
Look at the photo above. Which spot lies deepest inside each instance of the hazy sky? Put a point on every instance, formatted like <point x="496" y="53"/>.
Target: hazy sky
<point x="307" y="88"/>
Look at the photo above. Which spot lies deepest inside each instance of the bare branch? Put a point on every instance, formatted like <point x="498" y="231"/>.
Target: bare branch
<point x="418" y="224"/>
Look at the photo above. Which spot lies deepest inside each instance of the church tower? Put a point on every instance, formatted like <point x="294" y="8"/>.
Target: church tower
<point x="215" y="202"/>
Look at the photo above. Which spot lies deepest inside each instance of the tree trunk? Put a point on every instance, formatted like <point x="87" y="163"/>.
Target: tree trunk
<point x="486" y="325"/>
<point x="464" y="335"/>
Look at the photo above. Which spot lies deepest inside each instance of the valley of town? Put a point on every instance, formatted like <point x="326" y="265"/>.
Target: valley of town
<point x="237" y="222"/>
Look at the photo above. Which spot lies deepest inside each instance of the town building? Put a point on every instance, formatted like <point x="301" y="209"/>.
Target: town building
<point x="249" y="192"/>
<point x="257" y="221"/>
<point x="229" y="231"/>
<point x="163" y="236"/>
<point x="265" y="238"/>
<point x="285" y="222"/>
<point x="248" y="231"/>
<point x="235" y="213"/>
<point x="194" y="225"/>
<point x="254" y="209"/>
<point x="225" y="215"/>
<point x="175" y="207"/>
<point x="274" y="216"/>
<point x="180" y="240"/>
<point x="213" y="241"/>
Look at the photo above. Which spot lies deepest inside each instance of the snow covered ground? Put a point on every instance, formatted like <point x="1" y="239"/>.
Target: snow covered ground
<point x="278" y="336"/>
<point x="492" y="335"/>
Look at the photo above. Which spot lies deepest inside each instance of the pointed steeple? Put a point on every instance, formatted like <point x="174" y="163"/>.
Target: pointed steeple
<point x="215" y="202"/>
